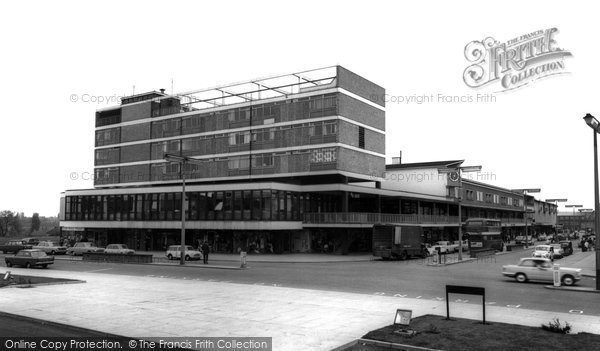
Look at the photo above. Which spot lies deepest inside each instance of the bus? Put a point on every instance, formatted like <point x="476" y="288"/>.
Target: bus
<point x="484" y="233"/>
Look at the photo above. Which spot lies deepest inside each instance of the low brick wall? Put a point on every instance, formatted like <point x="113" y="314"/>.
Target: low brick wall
<point x="120" y="258"/>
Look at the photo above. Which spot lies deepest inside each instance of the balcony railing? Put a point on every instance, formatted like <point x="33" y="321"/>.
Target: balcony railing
<point x="372" y="218"/>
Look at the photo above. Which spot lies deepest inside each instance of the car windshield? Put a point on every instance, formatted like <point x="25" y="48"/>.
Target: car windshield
<point x="542" y="248"/>
<point x="38" y="254"/>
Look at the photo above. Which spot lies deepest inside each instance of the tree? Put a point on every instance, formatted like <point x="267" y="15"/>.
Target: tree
<point x="35" y="222"/>
<point x="7" y="219"/>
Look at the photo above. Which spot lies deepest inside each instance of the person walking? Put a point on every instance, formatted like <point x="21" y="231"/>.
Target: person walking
<point x="205" y="251"/>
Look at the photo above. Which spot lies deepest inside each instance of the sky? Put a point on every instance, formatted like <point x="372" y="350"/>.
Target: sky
<point x="59" y="58"/>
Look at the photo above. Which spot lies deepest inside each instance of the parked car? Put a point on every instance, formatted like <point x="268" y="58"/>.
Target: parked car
<point x="465" y="245"/>
<point x="174" y="252"/>
<point x="14" y="246"/>
<point x="521" y="239"/>
<point x="445" y="246"/>
<point x="118" y="249"/>
<point x="83" y="247"/>
<point x="31" y="241"/>
<point x="542" y="237"/>
<point x="540" y="269"/>
<point x="51" y="248"/>
<point x="544" y="251"/>
<point x="557" y="250"/>
<point x="567" y="247"/>
<point x="29" y="258"/>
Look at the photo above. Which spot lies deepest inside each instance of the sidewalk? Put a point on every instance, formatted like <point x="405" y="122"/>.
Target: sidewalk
<point x="297" y="319"/>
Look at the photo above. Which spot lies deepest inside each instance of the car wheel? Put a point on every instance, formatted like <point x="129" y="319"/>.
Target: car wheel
<point x="568" y="280"/>
<point x="72" y="253"/>
<point x="170" y="257"/>
<point x="187" y="258"/>
<point x="8" y="264"/>
<point x="521" y="278"/>
<point x="44" y="266"/>
<point x="52" y="253"/>
<point x="27" y="265"/>
<point x="404" y="255"/>
<point x="425" y="253"/>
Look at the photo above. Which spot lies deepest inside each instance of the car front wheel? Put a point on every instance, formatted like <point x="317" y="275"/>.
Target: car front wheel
<point x="187" y="258"/>
<point x="170" y="257"/>
<point x="521" y="278"/>
<point x="568" y="280"/>
<point x="8" y="264"/>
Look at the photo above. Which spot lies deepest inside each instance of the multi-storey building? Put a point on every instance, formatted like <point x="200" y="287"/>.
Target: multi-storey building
<point x="575" y="221"/>
<point x="291" y="163"/>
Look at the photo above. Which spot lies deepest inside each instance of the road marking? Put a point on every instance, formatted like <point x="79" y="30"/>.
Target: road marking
<point x="438" y="298"/>
<point x="399" y="295"/>
<point x="576" y="311"/>
<point x="276" y="285"/>
<point x="490" y="303"/>
<point x="379" y="293"/>
<point x="100" y="270"/>
<point x="513" y="306"/>
<point x="418" y="297"/>
<point x="150" y="275"/>
<point x="462" y="301"/>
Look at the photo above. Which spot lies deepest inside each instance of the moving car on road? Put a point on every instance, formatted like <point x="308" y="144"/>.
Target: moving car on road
<point x="29" y="258"/>
<point x="51" y="248"/>
<point x="174" y="252"/>
<point x="83" y="247"/>
<point x="118" y="249"/>
<point x="540" y="269"/>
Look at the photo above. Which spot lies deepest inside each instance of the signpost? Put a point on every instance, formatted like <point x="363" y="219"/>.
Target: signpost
<point x="556" y="274"/>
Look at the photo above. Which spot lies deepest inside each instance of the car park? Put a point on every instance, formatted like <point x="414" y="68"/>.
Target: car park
<point x="543" y="251"/>
<point x="540" y="269"/>
<point x="118" y="249"/>
<point x="51" y="248"/>
<point x="83" y="247"/>
<point x="28" y="258"/>
<point x="174" y="252"/>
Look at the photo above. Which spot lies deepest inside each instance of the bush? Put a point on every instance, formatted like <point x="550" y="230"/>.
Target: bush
<point x="556" y="327"/>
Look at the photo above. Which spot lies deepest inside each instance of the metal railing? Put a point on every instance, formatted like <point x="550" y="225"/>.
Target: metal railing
<point x="372" y="218"/>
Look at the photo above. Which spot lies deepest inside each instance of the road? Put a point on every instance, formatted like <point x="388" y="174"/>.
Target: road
<point x="412" y="278"/>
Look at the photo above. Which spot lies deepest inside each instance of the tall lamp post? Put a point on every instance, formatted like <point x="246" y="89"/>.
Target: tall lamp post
<point x="595" y="125"/>
<point x="182" y="161"/>
<point x="525" y="211"/>
<point x="459" y="171"/>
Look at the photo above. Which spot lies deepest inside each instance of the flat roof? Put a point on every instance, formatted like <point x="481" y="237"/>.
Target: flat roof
<point x="432" y="164"/>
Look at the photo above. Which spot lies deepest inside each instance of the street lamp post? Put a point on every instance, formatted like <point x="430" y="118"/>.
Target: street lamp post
<point x="594" y="124"/>
<point x="182" y="161"/>
<point x="525" y="211"/>
<point x="459" y="170"/>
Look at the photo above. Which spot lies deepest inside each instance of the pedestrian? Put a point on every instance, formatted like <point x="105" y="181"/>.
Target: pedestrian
<point x="585" y="246"/>
<point x="205" y="251"/>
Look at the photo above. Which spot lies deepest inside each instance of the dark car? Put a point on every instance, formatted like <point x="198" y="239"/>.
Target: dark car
<point x="29" y="258"/>
<point x="567" y="247"/>
<point x="14" y="246"/>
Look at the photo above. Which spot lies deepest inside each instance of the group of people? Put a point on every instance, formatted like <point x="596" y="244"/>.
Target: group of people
<point x="587" y="244"/>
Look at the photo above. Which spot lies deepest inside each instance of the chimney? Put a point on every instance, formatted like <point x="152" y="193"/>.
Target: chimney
<point x="162" y="91"/>
<point x="397" y="160"/>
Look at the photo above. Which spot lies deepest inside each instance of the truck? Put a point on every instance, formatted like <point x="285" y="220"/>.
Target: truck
<point x="398" y="242"/>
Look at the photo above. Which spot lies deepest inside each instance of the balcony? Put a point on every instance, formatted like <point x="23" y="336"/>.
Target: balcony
<point x="373" y="218"/>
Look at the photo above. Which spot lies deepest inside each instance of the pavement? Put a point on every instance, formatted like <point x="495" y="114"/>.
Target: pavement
<point x="296" y="319"/>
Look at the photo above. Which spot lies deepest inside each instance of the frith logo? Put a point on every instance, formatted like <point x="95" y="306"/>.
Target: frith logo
<point x="516" y="62"/>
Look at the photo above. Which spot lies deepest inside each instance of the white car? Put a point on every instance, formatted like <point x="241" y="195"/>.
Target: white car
<point x="174" y="252"/>
<point x="559" y="252"/>
<point x="118" y="249"/>
<point x="544" y="251"/>
<point x="540" y="269"/>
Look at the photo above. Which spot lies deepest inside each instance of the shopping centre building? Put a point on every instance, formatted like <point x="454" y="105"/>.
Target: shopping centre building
<point x="290" y="163"/>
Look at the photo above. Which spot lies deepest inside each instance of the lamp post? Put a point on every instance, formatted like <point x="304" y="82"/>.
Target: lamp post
<point x="459" y="170"/>
<point x="594" y="124"/>
<point x="182" y="161"/>
<point x="525" y="211"/>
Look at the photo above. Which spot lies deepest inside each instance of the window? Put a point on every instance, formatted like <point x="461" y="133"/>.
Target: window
<point x="239" y="138"/>
<point x="240" y="162"/>
<point x="361" y="137"/>
<point x="264" y="160"/>
<point x="328" y="155"/>
<point x="479" y="196"/>
<point x="496" y="199"/>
